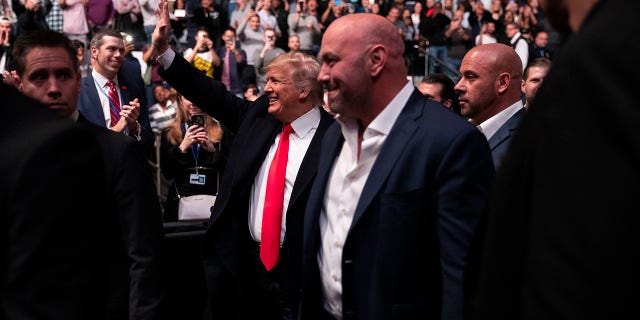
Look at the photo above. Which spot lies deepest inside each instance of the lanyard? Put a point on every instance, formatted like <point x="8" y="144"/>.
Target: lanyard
<point x="196" y="152"/>
<point x="111" y="104"/>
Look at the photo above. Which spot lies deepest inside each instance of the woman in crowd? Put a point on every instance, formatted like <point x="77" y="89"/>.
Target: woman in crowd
<point x="192" y="154"/>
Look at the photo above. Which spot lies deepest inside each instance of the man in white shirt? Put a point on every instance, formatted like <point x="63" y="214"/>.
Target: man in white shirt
<point x="519" y="44"/>
<point x="401" y="186"/>
<point x="489" y="94"/>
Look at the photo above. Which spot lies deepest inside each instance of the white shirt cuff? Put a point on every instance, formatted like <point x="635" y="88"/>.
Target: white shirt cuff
<point x="166" y="58"/>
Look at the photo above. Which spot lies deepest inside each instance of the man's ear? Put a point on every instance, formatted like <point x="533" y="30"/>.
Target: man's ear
<point x="303" y="93"/>
<point x="377" y="58"/>
<point x="94" y="52"/>
<point x="504" y="81"/>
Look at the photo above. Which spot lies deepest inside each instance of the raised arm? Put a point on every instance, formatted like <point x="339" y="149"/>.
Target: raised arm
<point x="210" y="95"/>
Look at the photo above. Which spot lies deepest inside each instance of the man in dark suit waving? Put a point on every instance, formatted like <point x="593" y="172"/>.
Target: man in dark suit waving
<point x="401" y="186"/>
<point x="253" y="242"/>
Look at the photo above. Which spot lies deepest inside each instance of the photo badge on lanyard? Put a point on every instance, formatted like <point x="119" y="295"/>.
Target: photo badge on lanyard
<point x="199" y="179"/>
<point x="195" y="178"/>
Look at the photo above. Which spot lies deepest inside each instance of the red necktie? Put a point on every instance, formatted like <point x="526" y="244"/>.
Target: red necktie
<point x="274" y="197"/>
<point x="114" y="103"/>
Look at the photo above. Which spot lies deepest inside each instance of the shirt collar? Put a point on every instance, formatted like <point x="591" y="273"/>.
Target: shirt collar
<point x="75" y="115"/>
<point x="102" y="80"/>
<point x="385" y="120"/>
<point x="305" y="123"/>
<point x="490" y="126"/>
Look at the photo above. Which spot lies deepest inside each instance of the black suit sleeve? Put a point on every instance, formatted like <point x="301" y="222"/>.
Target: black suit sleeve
<point x="210" y="95"/>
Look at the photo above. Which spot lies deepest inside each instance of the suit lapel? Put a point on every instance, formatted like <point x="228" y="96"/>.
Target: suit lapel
<point x="124" y="91"/>
<point x="331" y="147"/>
<point x="90" y="107"/>
<point x="506" y="130"/>
<point x="309" y="166"/>
<point x="398" y="138"/>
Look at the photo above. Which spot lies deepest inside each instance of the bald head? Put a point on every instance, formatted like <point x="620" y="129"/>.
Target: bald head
<point x="497" y="58"/>
<point x="362" y="65"/>
<point x="371" y="29"/>
<point x="491" y="77"/>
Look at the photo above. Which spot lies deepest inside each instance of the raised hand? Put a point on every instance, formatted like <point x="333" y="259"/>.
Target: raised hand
<point x="194" y="135"/>
<point x="160" y="36"/>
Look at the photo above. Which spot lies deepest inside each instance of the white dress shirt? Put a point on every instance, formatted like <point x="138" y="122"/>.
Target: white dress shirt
<point x="521" y="48"/>
<point x="346" y="182"/>
<point x="490" y="126"/>
<point x="304" y="129"/>
<point x="100" y="83"/>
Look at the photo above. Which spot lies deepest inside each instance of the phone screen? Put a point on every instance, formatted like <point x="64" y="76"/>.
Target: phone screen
<point x="197" y="120"/>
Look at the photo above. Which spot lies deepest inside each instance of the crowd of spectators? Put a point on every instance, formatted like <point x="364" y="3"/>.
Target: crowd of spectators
<point x="482" y="59"/>
<point x="234" y="41"/>
<point x="436" y="32"/>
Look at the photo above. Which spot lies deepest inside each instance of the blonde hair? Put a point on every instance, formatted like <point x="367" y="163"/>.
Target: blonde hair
<point x="174" y="130"/>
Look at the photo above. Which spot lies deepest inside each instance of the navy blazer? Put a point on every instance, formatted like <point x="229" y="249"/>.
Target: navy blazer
<point x="90" y="107"/>
<point x="228" y="243"/>
<point x="407" y="245"/>
<point x="501" y="140"/>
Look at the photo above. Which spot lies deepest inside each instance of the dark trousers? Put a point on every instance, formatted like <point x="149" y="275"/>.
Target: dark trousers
<point x="269" y="290"/>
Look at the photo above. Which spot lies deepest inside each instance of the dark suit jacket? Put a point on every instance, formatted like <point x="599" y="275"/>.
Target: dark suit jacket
<point x="135" y="224"/>
<point x="51" y="221"/>
<point x="501" y="140"/>
<point x="90" y="107"/>
<point x="562" y="237"/>
<point x="228" y="243"/>
<point x="406" y="248"/>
